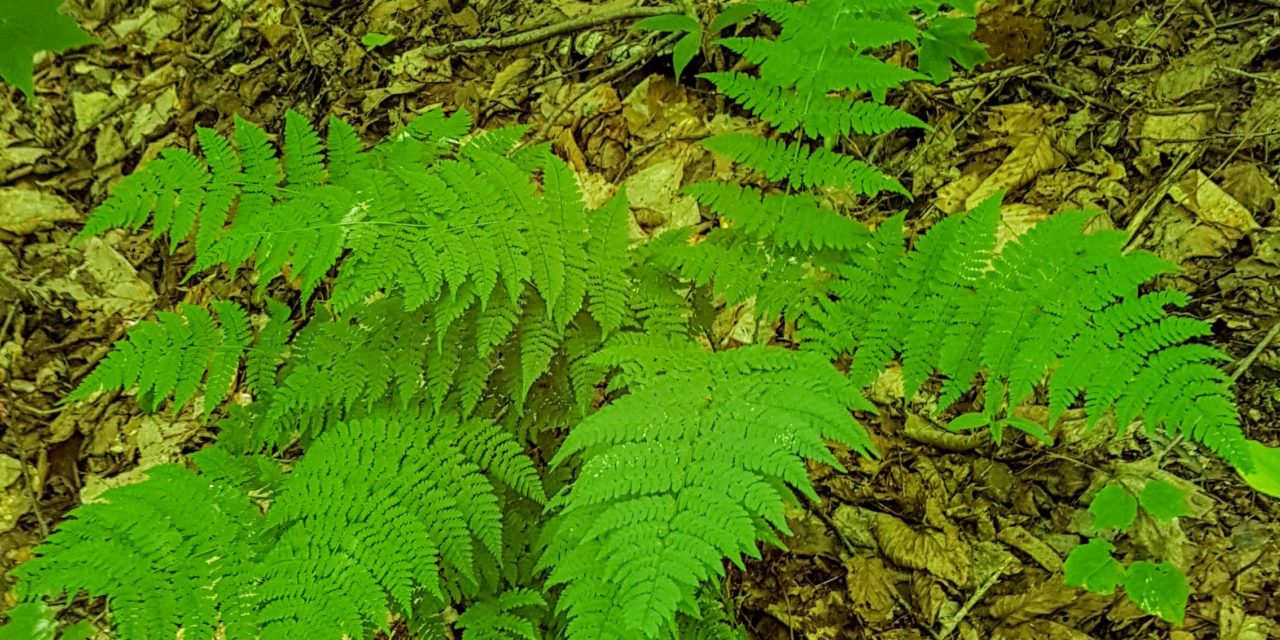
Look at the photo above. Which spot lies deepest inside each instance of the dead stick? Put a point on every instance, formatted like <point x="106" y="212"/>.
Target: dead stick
<point x="541" y="33"/>
<point x="1156" y="195"/>
<point x="1247" y="362"/>
<point x="954" y="621"/>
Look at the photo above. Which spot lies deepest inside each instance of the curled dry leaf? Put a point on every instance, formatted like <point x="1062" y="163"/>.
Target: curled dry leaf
<point x="1032" y="156"/>
<point x="942" y="554"/>
<point x="1210" y="203"/>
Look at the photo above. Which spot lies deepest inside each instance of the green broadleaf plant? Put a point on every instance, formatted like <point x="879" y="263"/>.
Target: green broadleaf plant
<point x="28" y="27"/>
<point x="686" y="47"/>
<point x="1159" y="588"/>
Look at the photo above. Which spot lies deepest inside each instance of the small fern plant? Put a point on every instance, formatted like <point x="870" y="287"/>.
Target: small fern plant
<point x="374" y="466"/>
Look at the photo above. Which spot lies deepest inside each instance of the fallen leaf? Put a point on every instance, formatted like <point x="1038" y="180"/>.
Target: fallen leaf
<point x="1207" y="200"/>
<point x="871" y="589"/>
<point x="24" y="211"/>
<point x="937" y="552"/>
<point x="509" y="74"/>
<point x="1032" y="156"/>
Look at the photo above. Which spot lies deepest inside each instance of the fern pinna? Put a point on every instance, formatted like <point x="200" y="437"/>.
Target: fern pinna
<point x="694" y="464"/>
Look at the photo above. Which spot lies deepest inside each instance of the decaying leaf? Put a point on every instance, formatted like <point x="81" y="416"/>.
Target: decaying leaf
<point x="943" y="555"/>
<point x="1207" y="200"/>
<point x="1032" y="156"/>
<point x="870" y="588"/>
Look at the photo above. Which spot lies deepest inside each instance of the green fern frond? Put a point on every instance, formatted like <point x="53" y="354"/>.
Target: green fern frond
<point x="191" y="567"/>
<point x="498" y="618"/>
<point x="709" y="622"/>
<point x="175" y="356"/>
<point x="690" y="467"/>
<point x="607" y="283"/>
<point x="803" y="167"/>
<point x="1054" y="301"/>
<point x="786" y="221"/>
<point x="304" y="163"/>
<point x="377" y="507"/>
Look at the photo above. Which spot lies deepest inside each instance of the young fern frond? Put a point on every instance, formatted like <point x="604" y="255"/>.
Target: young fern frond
<point x="1054" y="301"/>
<point x="498" y="618"/>
<point x="777" y="248"/>
<point x="693" y="465"/>
<point x="179" y="354"/>
<point x="192" y="566"/>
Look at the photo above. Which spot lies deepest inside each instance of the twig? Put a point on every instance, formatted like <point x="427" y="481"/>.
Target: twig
<point x="539" y="34"/>
<point x="606" y="77"/>
<point x="1246" y="362"/>
<point x="954" y="620"/>
<point x="1153" y="199"/>
<point x="297" y="22"/>
<point x="1061" y="91"/>
<point x="8" y="319"/>
<point x="1226" y="135"/>
<point x="35" y="501"/>
<point x="985" y="78"/>
<point x="37" y="410"/>
<point x="1251" y="76"/>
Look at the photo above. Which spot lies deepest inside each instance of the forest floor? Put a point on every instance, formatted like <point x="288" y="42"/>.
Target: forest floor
<point x="1163" y="115"/>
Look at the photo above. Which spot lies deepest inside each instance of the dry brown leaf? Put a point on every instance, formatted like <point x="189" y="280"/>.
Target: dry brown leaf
<point x="870" y="587"/>
<point x="924" y="431"/>
<point x="1176" y="127"/>
<point x="1040" y="551"/>
<point x="1207" y="200"/>
<point x="24" y="211"/>
<point x="510" y="73"/>
<point x="1040" y="630"/>
<point x="1032" y="156"/>
<point x="943" y="555"/>
<point x="1250" y="184"/>
<point x="1017" y="218"/>
<point x="1045" y="598"/>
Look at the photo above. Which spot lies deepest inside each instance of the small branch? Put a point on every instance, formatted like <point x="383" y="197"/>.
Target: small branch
<point x="1244" y="364"/>
<point x="539" y="34"/>
<point x="953" y="621"/>
<point x="1153" y="199"/>
<point x="35" y="500"/>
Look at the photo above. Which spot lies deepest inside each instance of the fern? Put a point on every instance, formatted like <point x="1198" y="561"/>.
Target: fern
<point x="775" y="247"/>
<point x="191" y="566"/>
<point x="180" y="353"/>
<point x="691" y="466"/>
<point x="1056" y="302"/>
<point x="495" y="619"/>
<point x="378" y="508"/>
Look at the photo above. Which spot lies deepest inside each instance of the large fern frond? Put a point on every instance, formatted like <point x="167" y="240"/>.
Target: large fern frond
<point x="177" y="551"/>
<point x="690" y="467"/>
<point x="1054" y="301"/>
